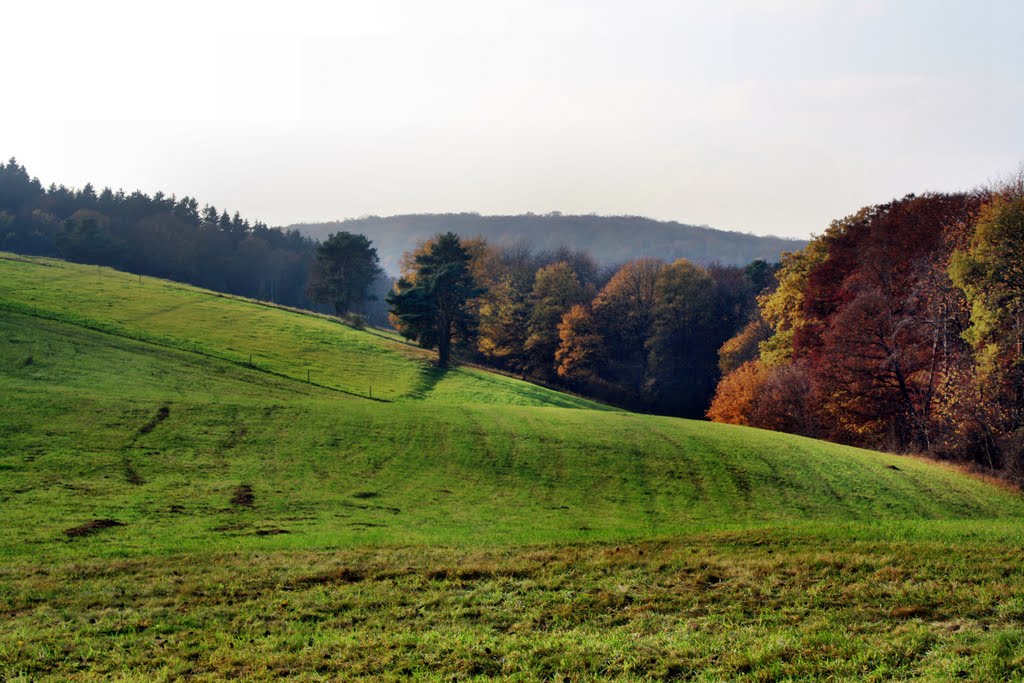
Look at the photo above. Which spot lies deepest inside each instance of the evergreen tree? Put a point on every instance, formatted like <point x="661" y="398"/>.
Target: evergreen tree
<point x="432" y="307"/>
<point x="343" y="272"/>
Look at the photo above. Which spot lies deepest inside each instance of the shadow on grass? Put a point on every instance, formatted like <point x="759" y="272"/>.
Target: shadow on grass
<point x="430" y="375"/>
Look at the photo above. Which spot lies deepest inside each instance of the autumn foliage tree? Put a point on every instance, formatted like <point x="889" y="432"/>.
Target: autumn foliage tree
<point x="683" y="345"/>
<point x="556" y="289"/>
<point x="558" y="318"/>
<point x="582" y="347"/>
<point x="744" y="347"/>
<point x="782" y="309"/>
<point x="990" y="272"/>
<point x="624" y="311"/>
<point x="878" y="336"/>
<point x="737" y="394"/>
<point x="507" y="275"/>
<point x="902" y="327"/>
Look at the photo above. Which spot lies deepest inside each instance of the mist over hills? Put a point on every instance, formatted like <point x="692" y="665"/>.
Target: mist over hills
<point x="610" y="239"/>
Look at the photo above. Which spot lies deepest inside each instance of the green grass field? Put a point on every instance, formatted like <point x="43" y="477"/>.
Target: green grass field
<point x="337" y="507"/>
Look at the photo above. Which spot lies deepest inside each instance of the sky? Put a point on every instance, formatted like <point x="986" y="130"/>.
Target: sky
<point x="766" y="116"/>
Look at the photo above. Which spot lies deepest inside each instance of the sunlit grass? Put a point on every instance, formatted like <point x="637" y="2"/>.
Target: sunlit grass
<point x="303" y="347"/>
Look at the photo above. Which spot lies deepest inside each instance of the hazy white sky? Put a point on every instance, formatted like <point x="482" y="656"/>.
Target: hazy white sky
<point x="772" y="116"/>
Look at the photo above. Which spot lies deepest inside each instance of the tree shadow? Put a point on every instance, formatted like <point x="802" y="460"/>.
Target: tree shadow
<point x="430" y="375"/>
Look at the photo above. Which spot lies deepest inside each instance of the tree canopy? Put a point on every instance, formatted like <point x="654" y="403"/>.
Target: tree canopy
<point x="901" y="327"/>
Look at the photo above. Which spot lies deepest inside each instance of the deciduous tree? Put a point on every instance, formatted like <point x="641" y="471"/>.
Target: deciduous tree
<point x="624" y="310"/>
<point x="556" y="289"/>
<point x="875" y="338"/>
<point x="990" y="272"/>
<point x="582" y="348"/>
<point x="682" y="369"/>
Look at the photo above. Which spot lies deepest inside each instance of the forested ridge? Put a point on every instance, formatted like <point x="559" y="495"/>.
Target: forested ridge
<point x="609" y="239"/>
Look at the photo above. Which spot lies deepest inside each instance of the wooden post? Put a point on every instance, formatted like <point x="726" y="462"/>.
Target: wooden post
<point x="250" y="360"/>
<point x="307" y="376"/>
<point x="371" y="391"/>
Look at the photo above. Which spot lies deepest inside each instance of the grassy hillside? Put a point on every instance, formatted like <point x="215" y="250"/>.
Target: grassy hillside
<point x="139" y="396"/>
<point x="173" y="510"/>
<point x="241" y="331"/>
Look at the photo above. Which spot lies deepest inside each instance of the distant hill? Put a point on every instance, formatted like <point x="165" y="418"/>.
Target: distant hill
<point x="610" y="239"/>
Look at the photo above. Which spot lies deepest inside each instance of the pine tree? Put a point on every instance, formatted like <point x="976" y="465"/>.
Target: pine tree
<point x="343" y="272"/>
<point x="432" y="307"/>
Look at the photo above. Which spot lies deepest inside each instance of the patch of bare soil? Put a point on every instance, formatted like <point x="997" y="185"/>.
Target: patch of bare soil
<point x="162" y="414"/>
<point x="340" y="575"/>
<point x="243" y="496"/>
<point x="234" y="438"/>
<point x="91" y="527"/>
<point x="132" y="475"/>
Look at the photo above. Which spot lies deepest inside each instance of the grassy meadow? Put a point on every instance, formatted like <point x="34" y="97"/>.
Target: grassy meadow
<point x="200" y="486"/>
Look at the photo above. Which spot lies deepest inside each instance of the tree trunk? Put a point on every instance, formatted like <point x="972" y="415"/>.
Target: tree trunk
<point x="443" y="341"/>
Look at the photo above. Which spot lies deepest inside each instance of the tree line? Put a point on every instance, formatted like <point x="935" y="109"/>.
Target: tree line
<point x="901" y="327"/>
<point x="159" y="235"/>
<point x="644" y="334"/>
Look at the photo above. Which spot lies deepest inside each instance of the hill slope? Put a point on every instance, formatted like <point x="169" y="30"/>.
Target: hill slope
<point x="172" y="512"/>
<point x="135" y="400"/>
<point x="610" y="239"/>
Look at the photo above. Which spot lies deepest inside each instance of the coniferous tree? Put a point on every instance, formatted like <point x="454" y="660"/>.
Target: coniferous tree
<point x="433" y="307"/>
<point x="152" y="235"/>
<point x="343" y="272"/>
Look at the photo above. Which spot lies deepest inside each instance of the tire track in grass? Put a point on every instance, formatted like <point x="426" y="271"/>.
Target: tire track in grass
<point x="693" y="475"/>
<point x="131" y="474"/>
